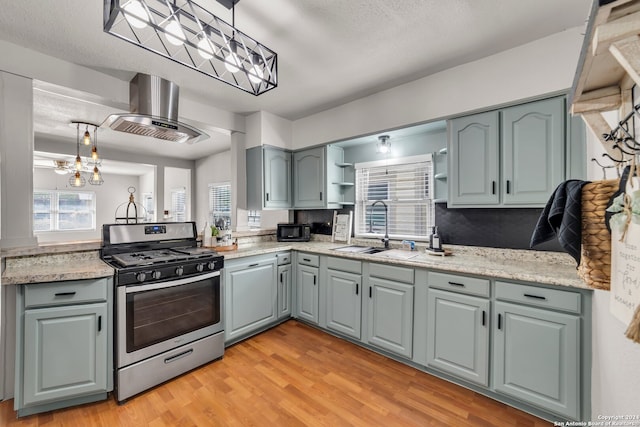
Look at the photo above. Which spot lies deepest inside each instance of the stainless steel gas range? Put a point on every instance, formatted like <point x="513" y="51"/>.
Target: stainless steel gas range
<point x="168" y="303"/>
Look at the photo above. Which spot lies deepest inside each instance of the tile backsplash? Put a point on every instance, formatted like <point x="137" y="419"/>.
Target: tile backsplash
<point x="486" y="227"/>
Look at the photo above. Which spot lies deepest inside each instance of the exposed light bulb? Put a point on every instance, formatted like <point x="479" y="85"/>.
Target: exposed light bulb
<point x="87" y="137"/>
<point x="256" y="74"/>
<point x="174" y="33"/>
<point x="136" y="14"/>
<point x="94" y="152"/>
<point x="205" y="48"/>
<point x="78" y="163"/>
<point x="232" y="63"/>
<point x="384" y="148"/>
<point x="96" y="174"/>
<point x="78" y="180"/>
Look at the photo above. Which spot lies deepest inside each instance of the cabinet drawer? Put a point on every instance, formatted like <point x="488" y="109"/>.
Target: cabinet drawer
<point x="462" y="284"/>
<point x="308" y="259"/>
<point x="342" y="264"/>
<point x="284" y="259"/>
<point x="390" y="272"/>
<point x="540" y="297"/>
<point x="64" y="293"/>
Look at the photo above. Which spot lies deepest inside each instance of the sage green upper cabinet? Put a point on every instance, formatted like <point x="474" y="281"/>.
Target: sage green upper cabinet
<point x="473" y="160"/>
<point x="268" y="178"/>
<point x="510" y="157"/>
<point x="321" y="179"/>
<point x="309" y="178"/>
<point x="533" y="144"/>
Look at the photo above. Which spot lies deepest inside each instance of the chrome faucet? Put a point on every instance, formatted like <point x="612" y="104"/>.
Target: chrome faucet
<point x="386" y="222"/>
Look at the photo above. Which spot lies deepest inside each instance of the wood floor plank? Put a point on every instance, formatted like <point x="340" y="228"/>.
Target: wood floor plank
<point x="292" y="375"/>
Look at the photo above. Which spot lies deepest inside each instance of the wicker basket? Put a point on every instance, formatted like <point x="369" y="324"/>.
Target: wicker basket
<point x="595" y="260"/>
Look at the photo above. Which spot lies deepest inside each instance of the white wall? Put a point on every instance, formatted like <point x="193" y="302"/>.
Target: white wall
<point x="109" y="196"/>
<point x="543" y="66"/>
<point x="215" y="169"/>
<point x="175" y="178"/>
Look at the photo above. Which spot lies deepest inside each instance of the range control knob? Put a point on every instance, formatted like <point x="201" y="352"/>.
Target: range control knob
<point x="156" y="274"/>
<point x="141" y="276"/>
<point x="200" y="267"/>
<point x="211" y="265"/>
<point x="179" y="271"/>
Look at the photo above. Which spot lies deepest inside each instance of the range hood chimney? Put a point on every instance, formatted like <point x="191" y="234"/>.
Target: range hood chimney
<point x="153" y="103"/>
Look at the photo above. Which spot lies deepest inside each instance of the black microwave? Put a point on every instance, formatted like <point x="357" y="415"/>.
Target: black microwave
<point x="293" y="232"/>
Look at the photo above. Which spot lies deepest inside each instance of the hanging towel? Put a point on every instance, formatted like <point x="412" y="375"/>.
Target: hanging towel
<point x="562" y="217"/>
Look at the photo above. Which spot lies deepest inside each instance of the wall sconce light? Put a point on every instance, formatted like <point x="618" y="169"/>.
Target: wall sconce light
<point x="195" y="38"/>
<point x="383" y="146"/>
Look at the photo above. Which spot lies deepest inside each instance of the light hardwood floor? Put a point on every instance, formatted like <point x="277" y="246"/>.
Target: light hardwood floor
<point x="293" y="375"/>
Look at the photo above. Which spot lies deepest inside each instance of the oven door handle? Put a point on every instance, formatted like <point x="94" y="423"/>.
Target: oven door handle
<point x="129" y="289"/>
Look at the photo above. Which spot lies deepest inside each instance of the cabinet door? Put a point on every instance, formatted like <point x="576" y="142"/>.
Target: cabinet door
<point x="284" y="291"/>
<point x="390" y="316"/>
<point x="473" y="160"/>
<point x="251" y="295"/>
<point x="307" y="286"/>
<point x="344" y="302"/>
<point x="277" y="178"/>
<point x="309" y="178"/>
<point x="536" y="357"/>
<point x="458" y="335"/>
<point x="533" y="143"/>
<point x="65" y="352"/>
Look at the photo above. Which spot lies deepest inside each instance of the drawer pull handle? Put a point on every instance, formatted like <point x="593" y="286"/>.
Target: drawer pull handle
<point x="508" y="186"/>
<point x="306" y="259"/>
<point x="65" y="294"/>
<point x="267" y="197"/>
<point x="484" y="318"/>
<point x="357" y="287"/>
<point x="456" y="284"/>
<point x="314" y="280"/>
<point x="99" y="323"/>
<point x="253" y="265"/>
<point x="535" y="297"/>
<point x="493" y="187"/>
<point x="178" y="356"/>
<point x="370" y="292"/>
<point x="281" y="278"/>
<point x="499" y="321"/>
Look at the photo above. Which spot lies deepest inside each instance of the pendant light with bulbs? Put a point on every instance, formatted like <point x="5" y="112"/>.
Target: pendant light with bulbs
<point x="196" y="38"/>
<point x="77" y="179"/>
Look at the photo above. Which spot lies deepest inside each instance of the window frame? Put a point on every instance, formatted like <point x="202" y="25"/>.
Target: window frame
<point x="55" y="211"/>
<point x="429" y="217"/>
<point x="211" y="201"/>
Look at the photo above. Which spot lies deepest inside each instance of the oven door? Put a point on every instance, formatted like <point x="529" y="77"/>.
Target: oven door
<point x="158" y="317"/>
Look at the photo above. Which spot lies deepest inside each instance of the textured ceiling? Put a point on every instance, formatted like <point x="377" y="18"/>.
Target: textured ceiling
<point x="329" y="51"/>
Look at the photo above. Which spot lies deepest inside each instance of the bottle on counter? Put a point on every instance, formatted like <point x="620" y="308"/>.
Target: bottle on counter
<point x="435" y="243"/>
<point x="206" y="234"/>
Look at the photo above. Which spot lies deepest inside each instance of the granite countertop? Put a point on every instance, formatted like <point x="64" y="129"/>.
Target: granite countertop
<point x="551" y="268"/>
<point x="54" y="267"/>
<point x="82" y="261"/>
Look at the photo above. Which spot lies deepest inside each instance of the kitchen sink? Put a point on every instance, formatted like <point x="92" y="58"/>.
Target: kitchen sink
<point x="356" y="249"/>
<point x="397" y="254"/>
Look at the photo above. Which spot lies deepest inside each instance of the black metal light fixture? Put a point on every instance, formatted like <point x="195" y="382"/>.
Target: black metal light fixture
<point x="186" y="33"/>
<point x="79" y="166"/>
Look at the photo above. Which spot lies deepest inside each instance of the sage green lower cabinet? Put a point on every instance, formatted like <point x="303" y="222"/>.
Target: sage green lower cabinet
<point x="64" y="344"/>
<point x="535" y="357"/>
<point x="344" y="302"/>
<point x="307" y="284"/>
<point x="251" y="295"/>
<point x="285" y="280"/>
<point x="458" y="335"/>
<point x="390" y="309"/>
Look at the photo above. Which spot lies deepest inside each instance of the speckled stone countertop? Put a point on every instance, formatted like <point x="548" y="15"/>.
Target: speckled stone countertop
<point x="59" y="262"/>
<point x="551" y="268"/>
<point x="54" y="267"/>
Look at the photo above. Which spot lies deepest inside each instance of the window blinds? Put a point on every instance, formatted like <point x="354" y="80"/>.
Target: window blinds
<point x="407" y="190"/>
<point x="220" y="205"/>
<point x="179" y="204"/>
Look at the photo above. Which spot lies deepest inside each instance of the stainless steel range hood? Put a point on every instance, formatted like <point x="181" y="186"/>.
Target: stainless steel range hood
<point x="153" y="103"/>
